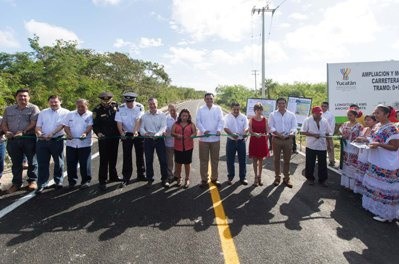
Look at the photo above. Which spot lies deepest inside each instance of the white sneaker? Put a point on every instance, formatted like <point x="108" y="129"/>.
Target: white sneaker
<point x="379" y="219"/>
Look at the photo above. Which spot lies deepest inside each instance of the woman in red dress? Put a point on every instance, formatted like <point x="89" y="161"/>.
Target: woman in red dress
<point x="258" y="148"/>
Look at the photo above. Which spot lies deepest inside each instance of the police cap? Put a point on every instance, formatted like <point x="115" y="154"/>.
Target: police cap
<point x="106" y="95"/>
<point x="129" y="97"/>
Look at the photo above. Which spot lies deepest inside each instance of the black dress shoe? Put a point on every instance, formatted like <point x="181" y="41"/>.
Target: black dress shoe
<point x="165" y="184"/>
<point x="203" y="185"/>
<point x="217" y="183"/>
<point x="149" y="183"/>
<point x="244" y="182"/>
<point x="40" y="190"/>
<point x="123" y="184"/>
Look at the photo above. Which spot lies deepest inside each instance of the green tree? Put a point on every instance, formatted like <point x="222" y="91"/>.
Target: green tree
<point x="73" y="73"/>
<point x="234" y="93"/>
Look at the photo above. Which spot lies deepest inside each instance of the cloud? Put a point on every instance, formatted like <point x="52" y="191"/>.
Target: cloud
<point x="311" y="73"/>
<point x="48" y="34"/>
<point x="121" y="44"/>
<point x="7" y="39"/>
<point x="186" y="55"/>
<point x="135" y="48"/>
<point x="209" y="18"/>
<point x="347" y="23"/>
<point x="150" y="42"/>
<point x="298" y="16"/>
<point x="284" y="25"/>
<point x="207" y="68"/>
<point x="106" y="2"/>
<point x="219" y="58"/>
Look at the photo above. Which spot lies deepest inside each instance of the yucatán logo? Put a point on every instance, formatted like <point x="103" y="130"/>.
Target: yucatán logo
<point x="345" y="78"/>
<point x="345" y="73"/>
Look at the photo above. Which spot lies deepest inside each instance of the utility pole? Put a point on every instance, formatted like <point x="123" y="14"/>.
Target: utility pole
<point x="255" y="72"/>
<point x="263" y="10"/>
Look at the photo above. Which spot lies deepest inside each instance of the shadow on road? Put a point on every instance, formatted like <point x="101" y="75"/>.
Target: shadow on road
<point x="91" y="210"/>
<point x="380" y="239"/>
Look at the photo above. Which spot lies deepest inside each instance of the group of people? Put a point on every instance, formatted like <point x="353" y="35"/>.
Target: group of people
<point x="370" y="156"/>
<point x="370" y="145"/>
<point x="38" y="136"/>
<point x="371" y="160"/>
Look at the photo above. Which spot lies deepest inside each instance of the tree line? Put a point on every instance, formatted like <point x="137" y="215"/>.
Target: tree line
<point x="73" y="72"/>
<point x="239" y="93"/>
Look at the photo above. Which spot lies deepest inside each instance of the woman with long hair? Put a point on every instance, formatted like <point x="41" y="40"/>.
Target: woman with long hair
<point x="183" y="131"/>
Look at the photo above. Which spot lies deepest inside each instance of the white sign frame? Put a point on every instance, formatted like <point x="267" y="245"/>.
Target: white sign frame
<point x="366" y="84"/>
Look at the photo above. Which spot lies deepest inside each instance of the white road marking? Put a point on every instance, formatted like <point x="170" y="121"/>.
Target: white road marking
<point x="30" y="195"/>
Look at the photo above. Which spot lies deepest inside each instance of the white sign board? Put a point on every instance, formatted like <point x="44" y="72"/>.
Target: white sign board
<point x="300" y="106"/>
<point x="366" y="84"/>
<point x="268" y="106"/>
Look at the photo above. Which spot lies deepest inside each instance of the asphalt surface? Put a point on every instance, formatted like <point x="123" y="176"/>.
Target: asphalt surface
<point x="306" y="224"/>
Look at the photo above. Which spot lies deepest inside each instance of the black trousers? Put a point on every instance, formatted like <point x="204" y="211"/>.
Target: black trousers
<point x="127" y="145"/>
<point x="311" y="156"/>
<point x="108" y="149"/>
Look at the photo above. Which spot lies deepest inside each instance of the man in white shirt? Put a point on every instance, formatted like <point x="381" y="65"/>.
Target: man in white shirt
<point x="210" y="124"/>
<point x="171" y="119"/>
<point x="153" y="127"/>
<point x="128" y="122"/>
<point x="331" y="121"/>
<point x="283" y="125"/>
<point x="236" y="125"/>
<point x="78" y="126"/>
<point x="316" y="128"/>
<point x="49" y="131"/>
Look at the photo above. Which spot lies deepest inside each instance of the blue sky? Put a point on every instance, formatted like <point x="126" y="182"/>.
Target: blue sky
<point x="208" y="43"/>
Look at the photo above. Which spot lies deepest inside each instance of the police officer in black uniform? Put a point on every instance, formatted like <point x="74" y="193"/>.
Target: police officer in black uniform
<point x="128" y="121"/>
<point x="104" y="126"/>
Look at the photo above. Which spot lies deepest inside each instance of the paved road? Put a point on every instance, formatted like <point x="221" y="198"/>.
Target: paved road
<point x="306" y="224"/>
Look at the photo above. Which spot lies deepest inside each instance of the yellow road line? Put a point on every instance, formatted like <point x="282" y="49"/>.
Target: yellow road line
<point x="228" y="246"/>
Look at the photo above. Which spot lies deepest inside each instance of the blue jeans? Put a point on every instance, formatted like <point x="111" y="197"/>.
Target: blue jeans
<point x="17" y="148"/>
<point x="44" y="151"/>
<point x="233" y="147"/>
<point x="149" y="146"/>
<point x="2" y="155"/>
<point x="83" y="157"/>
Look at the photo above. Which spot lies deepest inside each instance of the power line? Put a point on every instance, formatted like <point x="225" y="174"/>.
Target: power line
<point x="280" y="4"/>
